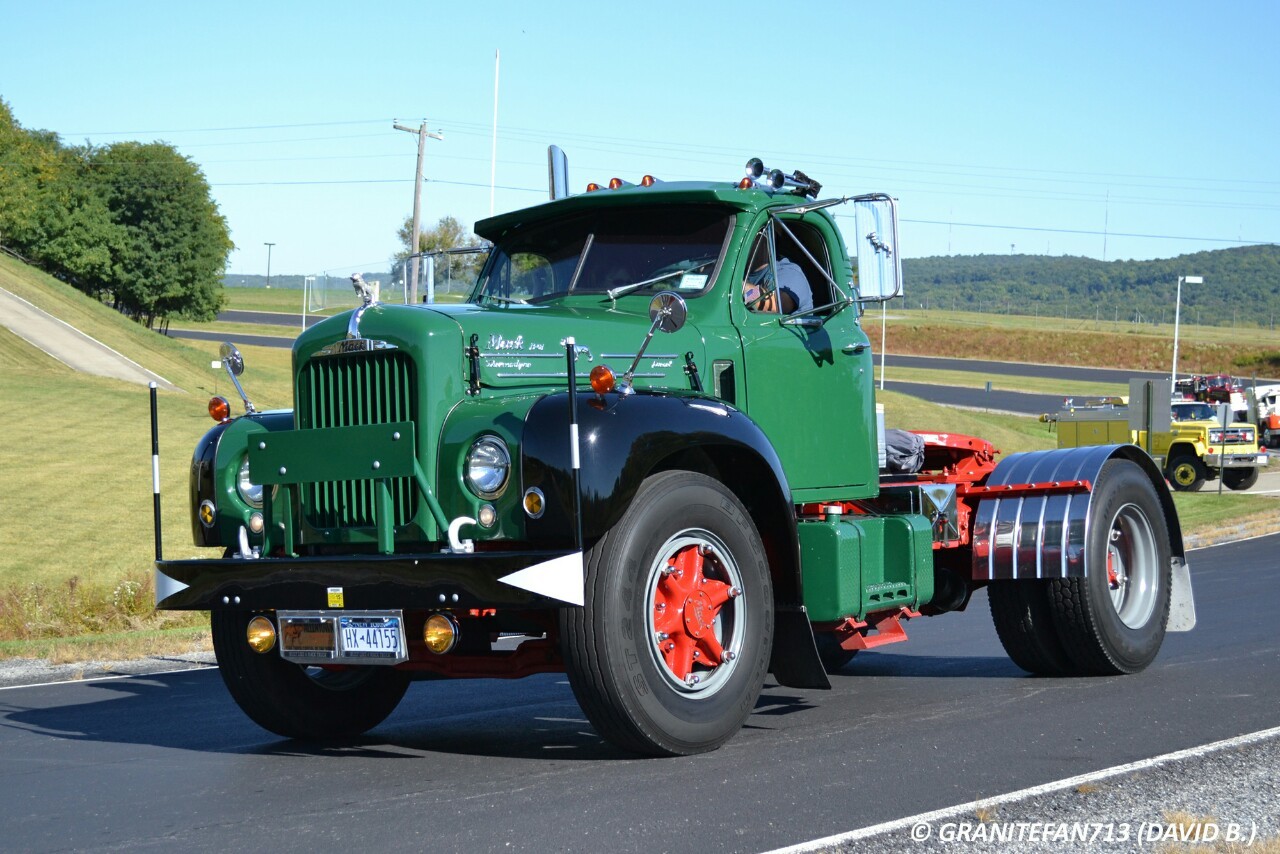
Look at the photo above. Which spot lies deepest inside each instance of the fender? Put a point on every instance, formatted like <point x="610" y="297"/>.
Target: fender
<point x="624" y="439"/>
<point x="1043" y="536"/>
<point x="212" y="475"/>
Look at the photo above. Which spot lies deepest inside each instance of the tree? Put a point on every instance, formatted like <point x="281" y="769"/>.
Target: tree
<point x="174" y="243"/>
<point x="447" y="234"/>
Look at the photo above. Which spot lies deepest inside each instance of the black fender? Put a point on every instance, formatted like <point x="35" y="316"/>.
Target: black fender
<point x="202" y="483"/>
<point x="1043" y="535"/>
<point x="625" y="438"/>
<point x="208" y="483"/>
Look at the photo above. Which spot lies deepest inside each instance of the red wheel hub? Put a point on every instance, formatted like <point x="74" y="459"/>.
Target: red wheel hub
<point x="685" y="607"/>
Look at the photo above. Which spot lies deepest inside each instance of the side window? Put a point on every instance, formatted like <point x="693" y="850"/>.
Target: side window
<point x="788" y="270"/>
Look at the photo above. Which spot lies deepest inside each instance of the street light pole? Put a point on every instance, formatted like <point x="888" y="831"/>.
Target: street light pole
<point x="1177" y="313"/>
<point x="268" y="245"/>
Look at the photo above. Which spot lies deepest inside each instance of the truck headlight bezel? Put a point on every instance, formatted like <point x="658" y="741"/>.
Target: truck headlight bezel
<point x="250" y="493"/>
<point x="486" y="469"/>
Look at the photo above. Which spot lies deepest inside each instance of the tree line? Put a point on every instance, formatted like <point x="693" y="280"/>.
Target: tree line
<point x="1241" y="286"/>
<point x="133" y="224"/>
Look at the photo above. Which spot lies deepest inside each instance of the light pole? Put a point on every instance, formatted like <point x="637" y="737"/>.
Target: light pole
<point x="268" y="245"/>
<point x="1177" y="313"/>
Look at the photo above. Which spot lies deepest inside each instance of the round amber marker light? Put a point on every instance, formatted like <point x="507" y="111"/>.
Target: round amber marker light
<point x="219" y="409"/>
<point x="647" y="181"/>
<point x="592" y="187"/>
<point x="439" y="633"/>
<point x="602" y="379"/>
<point x="615" y="183"/>
<point x="533" y="502"/>
<point x="261" y="634"/>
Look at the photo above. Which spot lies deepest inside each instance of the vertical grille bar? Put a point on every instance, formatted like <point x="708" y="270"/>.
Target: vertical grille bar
<point x="347" y="391"/>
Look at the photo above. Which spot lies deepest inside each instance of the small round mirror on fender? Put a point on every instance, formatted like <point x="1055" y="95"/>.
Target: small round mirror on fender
<point x="231" y="357"/>
<point x="668" y="310"/>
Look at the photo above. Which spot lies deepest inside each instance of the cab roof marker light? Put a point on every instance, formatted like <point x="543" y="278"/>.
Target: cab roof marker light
<point x="592" y="187"/>
<point x="649" y="181"/>
<point x="618" y="184"/>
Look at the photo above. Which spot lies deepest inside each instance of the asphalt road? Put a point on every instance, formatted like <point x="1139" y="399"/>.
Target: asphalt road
<point x="167" y="761"/>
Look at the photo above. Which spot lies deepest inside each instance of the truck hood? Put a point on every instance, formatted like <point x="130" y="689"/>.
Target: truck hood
<point x="523" y="345"/>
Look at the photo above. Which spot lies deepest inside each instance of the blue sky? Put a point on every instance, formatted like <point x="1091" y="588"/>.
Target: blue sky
<point x="1116" y="130"/>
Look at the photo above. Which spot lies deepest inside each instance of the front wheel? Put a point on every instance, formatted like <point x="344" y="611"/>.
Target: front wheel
<point x="669" y="653"/>
<point x="1187" y="473"/>
<point x="309" y="703"/>
<point x="1239" y="478"/>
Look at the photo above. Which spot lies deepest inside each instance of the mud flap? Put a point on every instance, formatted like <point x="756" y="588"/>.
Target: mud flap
<point x="795" y="662"/>
<point x="1182" y="605"/>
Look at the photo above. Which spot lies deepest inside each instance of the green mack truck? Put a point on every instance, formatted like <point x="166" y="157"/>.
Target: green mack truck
<point x="623" y="460"/>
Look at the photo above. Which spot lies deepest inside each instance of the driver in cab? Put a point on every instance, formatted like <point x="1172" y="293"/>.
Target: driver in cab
<point x="764" y="292"/>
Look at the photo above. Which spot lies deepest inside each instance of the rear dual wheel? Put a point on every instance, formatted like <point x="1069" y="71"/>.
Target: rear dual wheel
<point x="670" y="651"/>
<point x="1113" y="620"/>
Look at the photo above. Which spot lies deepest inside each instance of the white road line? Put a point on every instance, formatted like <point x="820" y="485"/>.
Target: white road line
<point x="107" y="678"/>
<point x="1034" y="791"/>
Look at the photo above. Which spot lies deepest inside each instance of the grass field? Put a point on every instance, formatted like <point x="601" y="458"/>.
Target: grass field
<point x="76" y="544"/>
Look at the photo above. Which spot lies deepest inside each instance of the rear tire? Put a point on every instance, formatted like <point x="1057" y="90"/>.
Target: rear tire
<point x="1187" y="473"/>
<point x="1113" y="621"/>
<point x="666" y="658"/>
<point x="311" y="703"/>
<point x="1024" y="624"/>
<point x="1239" y="478"/>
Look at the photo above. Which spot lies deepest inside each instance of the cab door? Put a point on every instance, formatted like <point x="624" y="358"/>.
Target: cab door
<point x="807" y="381"/>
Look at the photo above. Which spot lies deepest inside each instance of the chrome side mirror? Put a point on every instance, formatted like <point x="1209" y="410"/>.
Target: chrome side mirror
<point x="233" y="362"/>
<point x="668" y="311"/>
<point x="231" y="358"/>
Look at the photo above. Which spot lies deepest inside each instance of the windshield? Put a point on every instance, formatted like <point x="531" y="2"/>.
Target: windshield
<point x="1193" y="412"/>
<point x="655" y="247"/>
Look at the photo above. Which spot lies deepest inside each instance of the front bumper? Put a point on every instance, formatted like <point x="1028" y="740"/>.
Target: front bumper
<point x="360" y="582"/>
<point x="1235" y="461"/>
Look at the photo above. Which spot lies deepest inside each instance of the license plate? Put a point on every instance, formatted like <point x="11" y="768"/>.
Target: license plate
<point x="352" y="637"/>
<point x="371" y="637"/>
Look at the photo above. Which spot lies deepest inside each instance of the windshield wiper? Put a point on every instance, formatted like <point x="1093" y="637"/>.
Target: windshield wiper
<point x="614" y="293"/>
<point x="506" y="300"/>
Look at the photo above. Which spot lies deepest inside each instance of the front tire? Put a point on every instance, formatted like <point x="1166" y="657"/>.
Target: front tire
<point x="1113" y="621"/>
<point x="1239" y="478"/>
<point x="1187" y="473"/>
<point x="669" y="653"/>
<point x="312" y="704"/>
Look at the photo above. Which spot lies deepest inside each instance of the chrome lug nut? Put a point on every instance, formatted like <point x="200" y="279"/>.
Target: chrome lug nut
<point x="735" y="592"/>
<point x="663" y="636"/>
<point x="730" y="655"/>
<point x="692" y="679"/>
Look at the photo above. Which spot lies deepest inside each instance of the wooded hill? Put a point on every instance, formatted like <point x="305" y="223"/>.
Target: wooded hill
<point x="1241" y="286"/>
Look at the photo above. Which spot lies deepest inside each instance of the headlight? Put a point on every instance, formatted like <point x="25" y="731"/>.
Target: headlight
<point x="487" y="466"/>
<point x="250" y="493"/>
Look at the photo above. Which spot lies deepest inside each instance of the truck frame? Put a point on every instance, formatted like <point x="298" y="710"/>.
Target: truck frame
<point x="612" y="461"/>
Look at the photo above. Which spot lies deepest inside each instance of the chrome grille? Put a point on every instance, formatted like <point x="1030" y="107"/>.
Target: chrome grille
<point x="352" y="390"/>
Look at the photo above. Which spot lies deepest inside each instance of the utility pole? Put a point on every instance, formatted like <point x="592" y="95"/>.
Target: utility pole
<point x="268" y="245"/>
<point x="415" y="228"/>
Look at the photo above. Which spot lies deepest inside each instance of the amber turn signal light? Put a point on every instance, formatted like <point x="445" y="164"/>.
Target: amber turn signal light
<point x="440" y="633"/>
<point x="602" y="379"/>
<point x="219" y="409"/>
<point x="260" y="634"/>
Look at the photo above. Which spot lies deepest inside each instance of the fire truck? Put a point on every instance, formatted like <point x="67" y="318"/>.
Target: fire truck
<point x="640" y="454"/>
